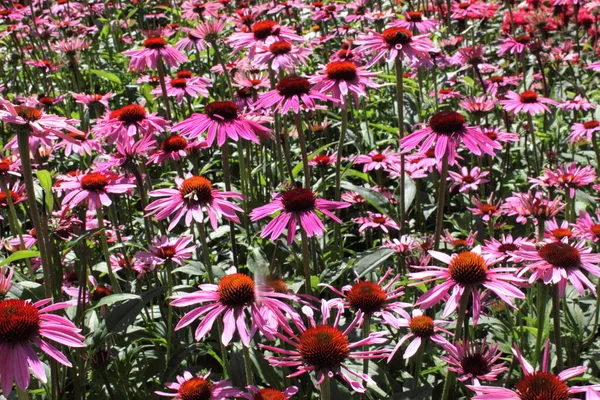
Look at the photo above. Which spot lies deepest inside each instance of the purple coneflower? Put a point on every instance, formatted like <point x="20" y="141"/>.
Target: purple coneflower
<point x="477" y="363"/>
<point x="155" y="49"/>
<point x="341" y="78"/>
<point x="94" y="187"/>
<point x="528" y="102"/>
<point x="376" y="220"/>
<point x="291" y="92"/>
<point x="467" y="180"/>
<point x="585" y="130"/>
<point x="165" y="250"/>
<point x="269" y="393"/>
<point x="421" y="328"/>
<point x="190" y="387"/>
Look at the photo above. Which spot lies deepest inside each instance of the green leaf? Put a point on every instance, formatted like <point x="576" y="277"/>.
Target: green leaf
<point x="312" y="155"/>
<point x="107" y="75"/>
<point x="46" y="183"/>
<point x="371" y="259"/>
<point x="115" y="298"/>
<point x="19" y="255"/>
<point x="376" y="199"/>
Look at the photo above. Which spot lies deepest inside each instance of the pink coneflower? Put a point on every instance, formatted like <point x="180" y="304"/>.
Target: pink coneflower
<point x="474" y="362"/>
<point x="5" y="280"/>
<point x="196" y="9"/>
<point x="298" y="204"/>
<point x="325" y="349"/>
<point x="155" y="49"/>
<point x="353" y="198"/>
<point x="394" y="43"/>
<point x="87" y="99"/>
<point x="486" y="209"/>
<point x="447" y="94"/>
<point x="478" y="105"/>
<point x="93" y="187"/>
<point x="556" y="232"/>
<point x="468" y="268"/>
<point x="374" y="298"/>
<point x="577" y="104"/>
<point x="262" y="32"/>
<point x="324" y="160"/>
<point x="127" y="122"/>
<point x="281" y="56"/>
<point x="230" y="299"/>
<point x="421" y="328"/>
<point x="23" y="324"/>
<point x="376" y="221"/>
<point x="503" y="248"/>
<point x="571" y="177"/>
<point x="559" y="263"/>
<point x="221" y="119"/>
<point x="534" y="205"/>
<point x="585" y="130"/>
<point x="534" y="384"/>
<point x="415" y="20"/>
<point x="81" y="144"/>
<point x="341" y="78"/>
<point x="514" y="45"/>
<point x="377" y="160"/>
<point x="467" y="180"/>
<point x="447" y="129"/>
<point x="165" y="250"/>
<point x="190" y="387"/>
<point x="498" y="135"/>
<point x="528" y="102"/>
<point x="453" y="241"/>
<point x="193" y="196"/>
<point x="269" y="393"/>
<point x="180" y="87"/>
<point x="586" y="228"/>
<point x="405" y="245"/>
<point x="499" y="82"/>
<point x="291" y="93"/>
<point x="174" y="147"/>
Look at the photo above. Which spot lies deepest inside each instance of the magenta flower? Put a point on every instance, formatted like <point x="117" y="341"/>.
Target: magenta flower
<point x="234" y="296"/>
<point x="585" y="130"/>
<point x="570" y="177"/>
<point x="415" y="20"/>
<point x="534" y="384"/>
<point x="155" y="49"/>
<point x="421" y="328"/>
<point x="394" y="43"/>
<point x="467" y="180"/>
<point x="164" y="250"/>
<point x="376" y="160"/>
<point x="5" y="280"/>
<point x="174" y="147"/>
<point x="405" y="245"/>
<point x="533" y="205"/>
<point x="94" y="187"/>
<point x="295" y="205"/>
<point x="447" y="129"/>
<point x="514" y="45"/>
<point x="221" y="119"/>
<point x="87" y="99"/>
<point x="503" y="248"/>
<point x="325" y="349"/>
<point x="586" y="228"/>
<point x="193" y="195"/>
<point x="292" y="92"/>
<point x="556" y="232"/>
<point x="79" y="144"/>
<point x="578" y="103"/>
<point x="196" y="9"/>
<point x="180" y="87"/>
<point x="559" y="263"/>
<point x="468" y="268"/>
<point x="477" y="363"/>
<point x="281" y="56"/>
<point x="341" y="78"/>
<point x="23" y="324"/>
<point x="124" y="124"/>
<point x="376" y="220"/>
<point x="269" y="393"/>
<point x="324" y="160"/>
<point x="486" y="209"/>
<point x="527" y="101"/>
<point x="189" y="387"/>
<point x="262" y="32"/>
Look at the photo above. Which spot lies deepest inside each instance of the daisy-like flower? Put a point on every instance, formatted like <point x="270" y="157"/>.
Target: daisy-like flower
<point x="174" y="147"/>
<point x="468" y="268"/>
<point x="263" y="32"/>
<point x="455" y="242"/>
<point x="533" y="205"/>
<point x="269" y="393"/>
<point x="474" y="362"/>
<point x="24" y="324"/>
<point x="195" y="9"/>
<point x="487" y="209"/>
<point x="578" y="103"/>
<point x="88" y="99"/>
<point x="571" y="177"/>
<point x="190" y="387"/>
<point x="93" y="187"/>
<point x="180" y="87"/>
<point x="376" y="220"/>
<point x="447" y="129"/>
<point x="478" y="106"/>
<point x="405" y="245"/>
<point x="421" y="328"/>
<point x="467" y="180"/>
<point x="298" y="204"/>
<point x="447" y="94"/>
<point x="164" y="250"/>
<point x="581" y="130"/>
<point x="281" y="56"/>
<point x="5" y="280"/>
<point x="221" y="119"/>
<point x="376" y="160"/>
<point x="586" y="228"/>
<point x="193" y="196"/>
<point x="123" y="124"/>
<point x="231" y="299"/>
<point x="394" y="43"/>
<point x="415" y="20"/>
<point x="155" y="49"/>
<point x="341" y="78"/>
<point x="82" y="144"/>
<point x="514" y="45"/>
<point x="326" y="349"/>
<point x="528" y="102"/>
<point x="291" y="93"/>
<point x="503" y="248"/>
<point x="534" y="384"/>
<point x="324" y="160"/>
<point x="559" y="263"/>
<point x="555" y="231"/>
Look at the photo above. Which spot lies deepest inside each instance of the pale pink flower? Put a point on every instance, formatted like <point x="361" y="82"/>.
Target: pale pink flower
<point x="467" y="180"/>
<point x="416" y="20"/>
<point x="528" y="102"/>
<point x="93" y="187"/>
<point x="421" y="328"/>
<point x="577" y="104"/>
<point x="377" y="160"/>
<point x="376" y="220"/>
<point x="581" y="130"/>
<point x="341" y="78"/>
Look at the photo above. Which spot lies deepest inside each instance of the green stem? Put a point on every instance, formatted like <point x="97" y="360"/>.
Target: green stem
<point x="556" y="318"/>
<point x="400" y="102"/>
<point x="443" y="183"/>
<point x="22" y="394"/>
<point x="247" y="365"/>
<point x="306" y="261"/>
<point x="163" y="87"/>
<point x="104" y="243"/>
<point x="326" y="388"/>
<point x="366" y="331"/>
<point x="542" y="293"/>
<point x="533" y="144"/>
<point x="303" y="150"/>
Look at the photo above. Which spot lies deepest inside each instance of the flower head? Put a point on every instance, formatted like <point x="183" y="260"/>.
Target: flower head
<point x="474" y="362"/>
<point x="528" y="102"/>
<point x="341" y="78"/>
<point x="94" y="187"/>
<point x="190" y="387"/>
<point x="154" y="50"/>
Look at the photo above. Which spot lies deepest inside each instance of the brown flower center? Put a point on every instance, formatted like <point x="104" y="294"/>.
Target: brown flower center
<point x="279" y="48"/>
<point x="414" y="16"/>
<point x="468" y="179"/>
<point x="496" y="79"/>
<point x="173" y="143"/>
<point x="341" y="70"/>
<point x="367" y="297"/>
<point x="278" y="286"/>
<point x="561" y="255"/>
<point x="468" y="268"/>
<point x="19" y="321"/>
<point x="94" y="182"/>
<point x="323" y="347"/>
<point x="221" y="110"/>
<point x="591" y="124"/>
<point x="179" y="83"/>
<point x="293" y="86"/>
<point x="506" y="247"/>
<point x="154" y="43"/>
<point x="264" y="29"/>
<point x="447" y="122"/>
<point x="236" y="290"/>
<point x="298" y="200"/>
<point x="166" y="252"/>
<point x="394" y="36"/>
<point x="129" y="114"/>
<point x="523" y="39"/>
<point x="29" y="114"/>
<point x="542" y="386"/>
<point x="475" y="364"/>
<point x="529" y="96"/>
<point x="4" y="166"/>
<point x="196" y="388"/>
<point x="269" y="394"/>
<point x="422" y="326"/>
<point x="197" y="188"/>
<point x="560" y="233"/>
<point x="322" y="160"/>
